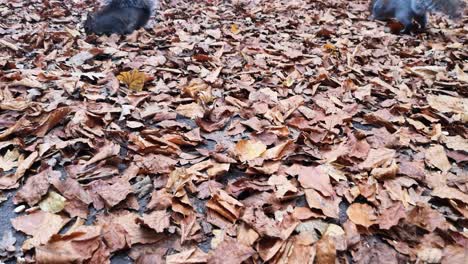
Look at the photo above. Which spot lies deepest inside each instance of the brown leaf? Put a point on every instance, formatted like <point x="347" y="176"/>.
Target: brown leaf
<point x="326" y="251"/>
<point x="134" y="232"/>
<point x="279" y="151"/>
<point x="387" y="172"/>
<point x="315" y="178"/>
<point x="225" y="205"/>
<point x="266" y="226"/>
<point x="77" y="246"/>
<point x="40" y="225"/>
<point x="152" y="163"/>
<point x="248" y="149"/>
<point x="109" y="150"/>
<point x="156" y="220"/>
<point x="114" y="193"/>
<point x="194" y="255"/>
<point x="246" y="235"/>
<point x="446" y="104"/>
<point x="10" y="160"/>
<point x="362" y="214"/>
<point x="9" y="181"/>
<point x="377" y="158"/>
<point x="192" y="111"/>
<point x="230" y="251"/>
<point x="328" y="205"/>
<point x="437" y="157"/>
<point x="54" y="118"/>
<point x="35" y="187"/>
<point x="282" y="185"/>
<point x="391" y="216"/>
<point x="427" y="218"/>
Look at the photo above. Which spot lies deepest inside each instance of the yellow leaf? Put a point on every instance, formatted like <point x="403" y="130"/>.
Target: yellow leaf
<point x="235" y="29"/>
<point x="288" y="82"/>
<point x="248" y="149"/>
<point x="134" y="80"/>
<point x="218" y="237"/>
<point x="53" y="203"/>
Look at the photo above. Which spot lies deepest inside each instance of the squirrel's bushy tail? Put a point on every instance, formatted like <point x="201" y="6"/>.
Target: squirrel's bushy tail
<point x="451" y="8"/>
<point x="144" y="4"/>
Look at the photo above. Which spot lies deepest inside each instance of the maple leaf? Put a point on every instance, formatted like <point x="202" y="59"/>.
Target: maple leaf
<point x="135" y="80"/>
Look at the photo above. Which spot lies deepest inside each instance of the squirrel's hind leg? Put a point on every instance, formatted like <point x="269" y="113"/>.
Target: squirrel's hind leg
<point x="405" y="17"/>
<point x="422" y="21"/>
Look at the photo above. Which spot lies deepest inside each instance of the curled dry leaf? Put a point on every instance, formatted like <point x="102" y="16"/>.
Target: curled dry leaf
<point x="225" y="205"/>
<point x="386" y="173"/>
<point x="11" y="180"/>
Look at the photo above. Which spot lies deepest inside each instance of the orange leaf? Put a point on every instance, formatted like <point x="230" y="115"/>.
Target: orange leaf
<point x="235" y="29"/>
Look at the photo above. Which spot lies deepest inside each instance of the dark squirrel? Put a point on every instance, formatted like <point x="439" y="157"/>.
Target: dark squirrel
<point x="120" y="17"/>
<point x="405" y="11"/>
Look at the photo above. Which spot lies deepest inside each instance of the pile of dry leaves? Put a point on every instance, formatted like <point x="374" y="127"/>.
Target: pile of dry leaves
<point x="286" y="131"/>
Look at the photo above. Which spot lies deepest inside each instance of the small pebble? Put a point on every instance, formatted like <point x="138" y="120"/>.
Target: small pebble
<point x="19" y="209"/>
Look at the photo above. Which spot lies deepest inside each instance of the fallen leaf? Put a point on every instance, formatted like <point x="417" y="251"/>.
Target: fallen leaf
<point x="193" y="255"/>
<point x="9" y="160"/>
<point x="361" y="214"/>
<point x="134" y="79"/>
<point x="248" y="149"/>
<point x="53" y="203"/>
<point x="40" y="225"/>
<point x="225" y="205"/>
<point x="156" y="220"/>
<point x="315" y="178"/>
<point x="230" y="251"/>
<point x="437" y="157"/>
<point x="35" y="187"/>
<point x="326" y="252"/>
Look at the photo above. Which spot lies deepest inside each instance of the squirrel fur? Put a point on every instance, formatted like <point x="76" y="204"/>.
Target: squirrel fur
<point x="405" y="11"/>
<point x="119" y="16"/>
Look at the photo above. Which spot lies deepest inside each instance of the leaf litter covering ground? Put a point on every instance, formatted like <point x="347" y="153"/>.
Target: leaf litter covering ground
<point x="266" y="131"/>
